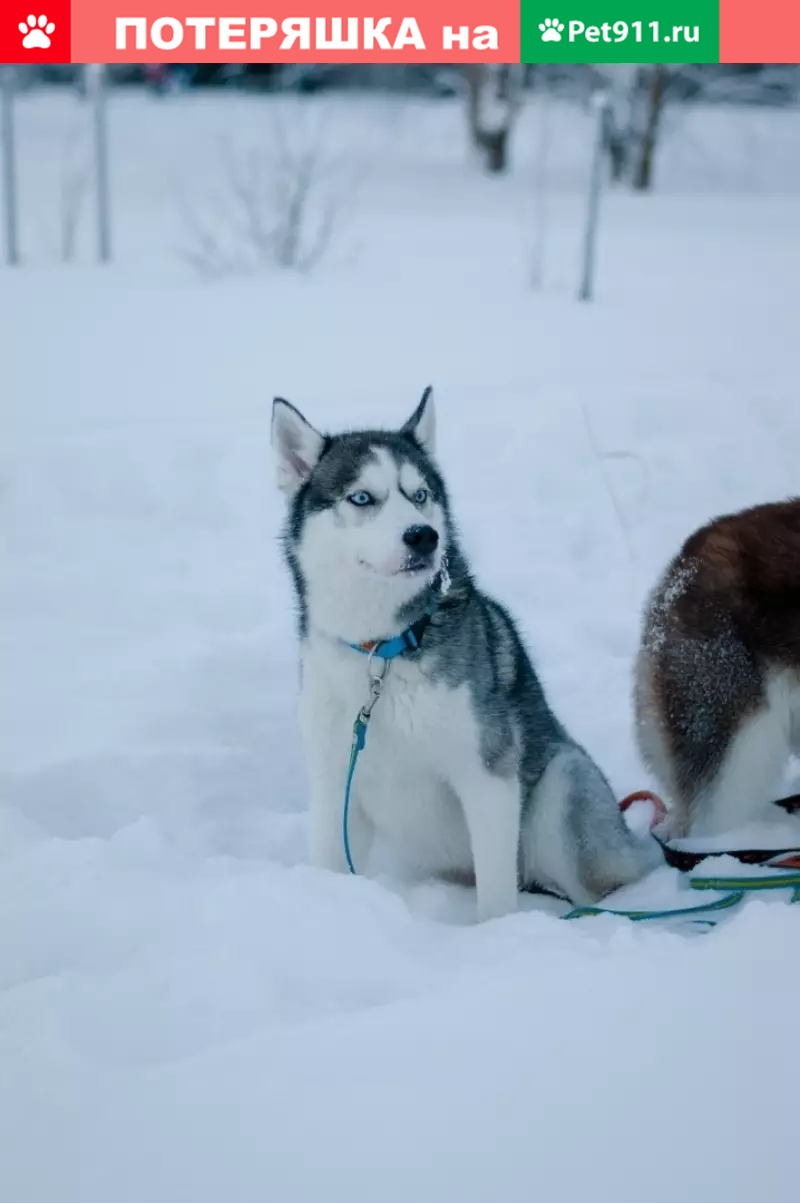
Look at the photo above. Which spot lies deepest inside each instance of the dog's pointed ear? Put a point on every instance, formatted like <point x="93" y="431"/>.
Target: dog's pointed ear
<point x="422" y="423"/>
<point x="296" y="444"/>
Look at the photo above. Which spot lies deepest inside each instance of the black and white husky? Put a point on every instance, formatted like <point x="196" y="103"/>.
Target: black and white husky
<point x="466" y="772"/>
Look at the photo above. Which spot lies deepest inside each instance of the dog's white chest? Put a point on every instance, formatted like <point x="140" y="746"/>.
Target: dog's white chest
<point x="415" y="730"/>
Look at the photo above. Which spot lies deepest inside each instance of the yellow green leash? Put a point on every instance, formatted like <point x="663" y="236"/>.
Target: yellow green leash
<point x="733" y="889"/>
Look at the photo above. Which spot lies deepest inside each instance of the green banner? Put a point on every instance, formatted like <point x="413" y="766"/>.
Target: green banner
<point x="620" y="31"/>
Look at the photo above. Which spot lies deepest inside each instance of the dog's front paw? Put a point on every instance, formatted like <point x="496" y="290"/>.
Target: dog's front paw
<point x="326" y="849"/>
<point x="497" y="905"/>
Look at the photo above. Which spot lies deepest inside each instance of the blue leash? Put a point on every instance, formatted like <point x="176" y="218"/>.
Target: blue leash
<point x="359" y="739"/>
<point x="386" y="651"/>
<point x="737" y="887"/>
<point x="722" y="904"/>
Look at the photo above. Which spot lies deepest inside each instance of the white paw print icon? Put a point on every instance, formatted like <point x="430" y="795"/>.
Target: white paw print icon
<point x="552" y="29"/>
<point x="37" y="33"/>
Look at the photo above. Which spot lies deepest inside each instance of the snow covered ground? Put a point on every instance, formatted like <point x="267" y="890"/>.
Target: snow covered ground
<point x="187" y="1010"/>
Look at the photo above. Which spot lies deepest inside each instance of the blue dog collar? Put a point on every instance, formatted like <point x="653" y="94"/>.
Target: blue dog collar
<point x="388" y="649"/>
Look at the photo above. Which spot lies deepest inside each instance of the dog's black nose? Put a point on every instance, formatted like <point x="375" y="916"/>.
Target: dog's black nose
<point x="421" y="539"/>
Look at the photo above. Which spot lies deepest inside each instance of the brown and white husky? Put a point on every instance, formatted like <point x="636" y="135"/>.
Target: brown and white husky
<point x="717" y="690"/>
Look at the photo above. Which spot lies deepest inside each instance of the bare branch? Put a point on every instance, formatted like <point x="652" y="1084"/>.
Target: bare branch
<point x="286" y="199"/>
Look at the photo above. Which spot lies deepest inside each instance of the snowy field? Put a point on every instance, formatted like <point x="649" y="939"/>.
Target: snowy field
<point x="188" y="1012"/>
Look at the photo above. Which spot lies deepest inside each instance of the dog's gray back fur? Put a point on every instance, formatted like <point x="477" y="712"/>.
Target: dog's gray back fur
<point x="474" y="641"/>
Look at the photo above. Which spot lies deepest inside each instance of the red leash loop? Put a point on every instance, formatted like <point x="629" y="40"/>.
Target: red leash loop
<point x="645" y="795"/>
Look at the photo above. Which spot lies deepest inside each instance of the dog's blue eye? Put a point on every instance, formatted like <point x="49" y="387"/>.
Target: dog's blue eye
<point x="362" y="497"/>
<point x="421" y="496"/>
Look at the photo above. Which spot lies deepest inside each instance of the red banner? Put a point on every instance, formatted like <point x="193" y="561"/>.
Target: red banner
<point x="143" y="31"/>
<point x="440" y="31"/>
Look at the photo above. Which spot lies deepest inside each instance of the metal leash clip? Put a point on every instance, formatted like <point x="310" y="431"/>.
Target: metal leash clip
<point x="376" y="679"/>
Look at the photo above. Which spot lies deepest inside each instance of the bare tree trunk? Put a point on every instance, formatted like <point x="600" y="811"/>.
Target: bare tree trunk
<point x="475" y="82"/>
<point x="493" y="100"/>
<point x="643" y="176"/>
<point x="8" y="79"/>
<point x="602" y="110"/>
<point x="617" y="153"/>
<point x="540" y="189"/>
<point x="96" y="90"/>
<point x="495" y="145"/>
<point x="620" y="133"/>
